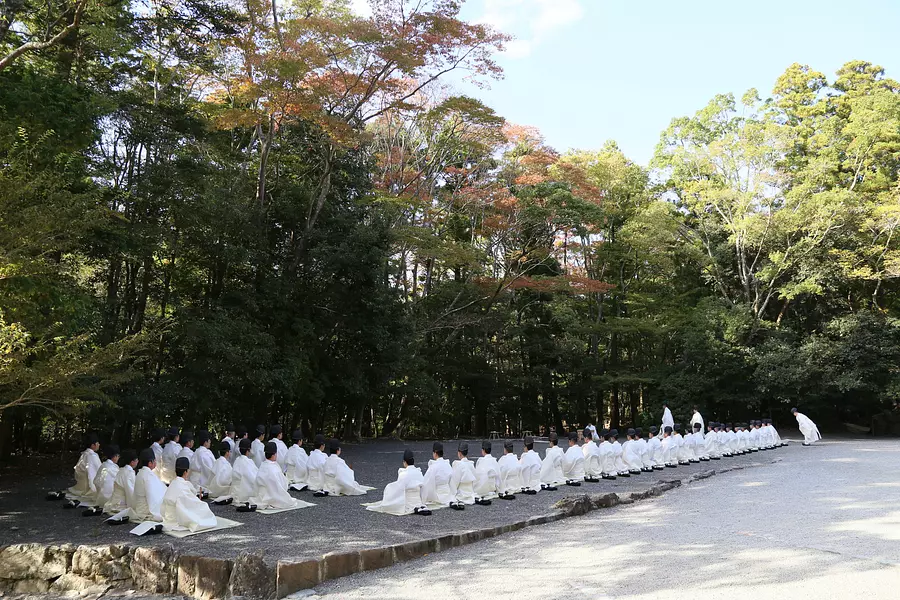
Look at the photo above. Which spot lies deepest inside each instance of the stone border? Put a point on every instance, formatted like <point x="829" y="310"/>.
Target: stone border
<point x="35" y="568"/>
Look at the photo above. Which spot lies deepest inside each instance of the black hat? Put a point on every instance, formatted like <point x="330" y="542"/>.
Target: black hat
<point x="173" y="432"/>
<point x="728" y="426"/>
<point x="793" y="410"/>
<point x="614" y="432"/>
<point x="587" y="433"/>
<point x="604" y="433"/>
<point x="573" y="436"/>
<point x="486" y="446"/>
<point x="319" y="440"/>
<point x="111" y="450"/>
<point x="260" y="430"/>
<point x="274" y="430"/>
<point x="438" y="448"/>
<point x="529" y="441"/>
<point x="229" y="428"/>
<point x="241" y="431"/>
<point x="182" y="462"/>
<point x="638" y="431"/>
<point x="186" y="436"/>
<point x="334" y="445"/>
<point x="553" y="437"/>
<point x="127" y="457"/>
<point x="245" y="445"/>
<point x="667" y="429"/>
<point x="158" y="433"/>
<point x="508" y="445"/>
<point x="297" y="435"/>
<point x="147" y="457"/>
<point x="271" y="449"/>
<point x="630" y="431"/>
<point x="697" y="426"/>
<point x="464" y="448"/>
<point x="654" y="429"/>
<point x="678" y="427"/>
<point x="408" y="457"/>
<point x="224" y="447"/>
<point x="202" y="437"/>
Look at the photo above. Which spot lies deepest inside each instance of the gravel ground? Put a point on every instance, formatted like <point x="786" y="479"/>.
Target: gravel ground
<point x="822" y="523"/>
<point x="334" y="524"/>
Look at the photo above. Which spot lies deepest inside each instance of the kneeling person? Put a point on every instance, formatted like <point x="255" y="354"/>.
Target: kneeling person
<point x="510" y="473"/>
<point x="272" y="485"/>
<point x="403" y="497"/>
<point x="182" y="509"/>
<point x="573" y="461"/>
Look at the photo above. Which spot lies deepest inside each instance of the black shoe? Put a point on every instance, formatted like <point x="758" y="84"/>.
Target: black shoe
<point x="224" y="502"/>
<point x="508" y="497"/>
<point x="54" y="496"/>
<point x="716" y="457"/>
<point x="320" y="494"/>
<point x="246" y="507"/>
<point x="635" y="471"/>
<point x="591" y="479"/>
<point x="71" y="504"/>
<point x="573" y="483"/>
<point x="121" y="521"/>
<point x="204" y="496"/>
<point x="156" y="530"/>
<point x="94" y="511"/>
<point x="480" y="502"/>
<point x="422" y="511"/>
<point x="624" y="474"/>
<point x="672" y="466"/>
<point x="457" y="506"/>
<point x="529" y="492"/>
<point x="658" y="467"/>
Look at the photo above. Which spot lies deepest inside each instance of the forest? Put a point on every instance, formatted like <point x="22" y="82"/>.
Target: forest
<point x="258" y="212"/>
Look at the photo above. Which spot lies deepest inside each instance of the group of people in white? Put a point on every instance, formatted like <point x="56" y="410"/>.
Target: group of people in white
<point x="169" y="482"/>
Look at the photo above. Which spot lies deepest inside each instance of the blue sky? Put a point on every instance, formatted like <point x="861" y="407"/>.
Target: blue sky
<point x="586" y="71"/>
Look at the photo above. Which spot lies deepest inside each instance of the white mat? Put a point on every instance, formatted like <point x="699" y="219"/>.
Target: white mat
<point x="220" y="524"/>
<point x="275" y="511"/>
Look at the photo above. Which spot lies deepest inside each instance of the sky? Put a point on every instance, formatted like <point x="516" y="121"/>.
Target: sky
<point x="587" y="71"/>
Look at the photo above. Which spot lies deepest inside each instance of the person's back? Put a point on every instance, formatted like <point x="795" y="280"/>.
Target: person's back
<point x="315" y="466"/>
<point x="573" y="461"/>
<point x="462" y="479"/>
<point x="435" y="491"/>
<point x="487" y="475"/>
<point x="530" y="464"/>
<point x="243" y="475"/>
<point x="148" y="490"/>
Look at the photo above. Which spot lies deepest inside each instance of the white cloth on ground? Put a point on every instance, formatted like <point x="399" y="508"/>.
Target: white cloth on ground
<point x="148" y="494"/>
<point x="591" y="453"/>
<point x="573" y="464"/>
<point x="272" y="489"/>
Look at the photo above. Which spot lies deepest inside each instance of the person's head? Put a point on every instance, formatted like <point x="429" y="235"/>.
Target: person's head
<point x="437" y="450"/>
<point x="697" y="427"/>
<point x="553" y="439"/>
<point x="158" y="436"/>
<point x="613" y="435"/>
<point x="696" y="410"/>
<point x="408" y="458"/>
<point x="677" y="429"/>
<point x="244" y="446"/>
<point x="91" y="441"/>
<point x="463" y="450"/>
<point x="573" y="438"/>
<point x="728" y="427"/>
<point x="203" y="438"/>
<point x="271" y="451"/>
<point x="665" y="405"/>
<point x="260" y="432"/>
<point x="129" y="457"/>
<point x="229" y="431"/>
<point x="172" y="435"/>
<point x="508" y="447"/>
<point x="653" y="431"/>
<point x="187" y="439"/>
<point x="587" y="435"/>
<point x="297" y="437"/>
<point x="630" y="434"/>
<point x="794" y="411"/>
<point x="604" y="436"/>
<point x="275" y="432"/>
<point x="667" y="432"/>
<point x="529" y="443"/>
<point x="334" y="446"/>
<point x="241" y="432"/>
<point x="147" y="459"/>
<point x="225" y="450"/>
<point x="111" y="452"/>
<point x="485" y="447"/>
<point x="182" y="467"/>
<point x="638" y="432"/>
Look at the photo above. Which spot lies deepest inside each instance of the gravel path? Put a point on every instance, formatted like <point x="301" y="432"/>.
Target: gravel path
<point x="334" y="524"/>
<point x="822" y="523"/>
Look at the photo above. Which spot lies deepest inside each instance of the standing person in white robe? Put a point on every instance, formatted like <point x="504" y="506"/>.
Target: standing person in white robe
<point x="573" y="462"/>
<point x="123" y="487"/>
<point x="404" y="496"/>
<point x="275" y="435"/>
<point x="104" y="482"/>
<point x="159" y="438"/>
<point x="435" y="491"/>
<point x="229" y="439"/>
<point x="148" y="491"/>
<point x="530" y="465"/>
<point x="591" y="452"/>
<point x="607" y="457"/>
<point x="809" y="430"/>
<point x="621" y="467"/>
<point x="593" y="430"/>
<point x="631" y="454"/>
<point x="85" y="472"/>
<point x="510" y="473"/>
<point x="182" y="509"/>
<point x="243" y="475"/>
<point x="258" y="447"/>
<point x="219" y="483"/>
<point x="203" y="464"/>
<point x="295" y="463"/>
<point x="667" y="419"/>
<point x="668" y="448"/>
<point x="165" y="469"/>
<point x="551" y="467"/>
<point x="339" y="477"/>
<point x="696" y="418"/>
<point x="654" y="449"/>
<point x="462" y="479"/>
<point x="272" y="485"/>
<point x="487" y="476"/>
<point x="315" y="466"/>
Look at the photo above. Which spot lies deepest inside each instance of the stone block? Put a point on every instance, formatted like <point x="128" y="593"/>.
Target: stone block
<point x="102" y="564"/>
<point x="202" y="577"/>
<point x="446" y="542"/>
<point x="35" y="561"/>
<point x="605" y="500"/>
<point x="30" y="586"/>
<point x="417" y="549"/>
<point x="626" y="500"/>
<point x="71" y="582"/>
<point x="251" y="577"/>
<point x="292" y="577"/>
<point x="155" y="569"/>
<point x="572" y="506"/>
<point x="340" y="564"/>
<point x="376" y="558"/>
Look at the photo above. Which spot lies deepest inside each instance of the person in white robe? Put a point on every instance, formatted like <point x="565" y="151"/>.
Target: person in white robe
<point x="773" y="433"/>
<point x="681" y="451"/>
<point x="809" y="430"/>
<point x="187" y="449"/>
<point x="668" y="448"/>
<point x="104" y="482"/>
<point x="487" y="476"/>
<point x="732" y="439"/>
<point x="240" y="434"/>
<point x="620" y="466"/>
<point x="297" y="459"/>
<point x="276" y="435"/>
<point x="203" y="463"/>
<point x="591" y="452"/>
<point x="754" y="437"/>
<point x="607" y="457"/>
<point x="230" y="440"/>
<point x="696" y="418"/>
<point x="530" y="465"/>
<point x="182" y="509"/>
<point x="258" y="446"/>
<point x="123" y="487"/>
<point x="86" y="469"/>
<point x="166" y="467"/>
<point x="243" y="475"/>
<point x="631" y="454"/>
<point x="148" y="491"/>
<point x="593" y="430"/>
<point x="573" y="462"/>
<point x="272" y="485"/>
<point x="315" y="466"/>
<point x="404" y="496"/>
<point x="711" y="441"/>
<point x="510" y="473"/>
<point x="654" y="449"/>
<point x="667" y="419"/>
<point x="159" y="438"/>
<point x="699" y="443"/>
<point x="219" y="483"/>
<point x="435" y="490"/>
<point x="462" y="479"/>
<point x="551" y="467"/>
<point x="643" y="450"/>
<point x="339" y="477"/>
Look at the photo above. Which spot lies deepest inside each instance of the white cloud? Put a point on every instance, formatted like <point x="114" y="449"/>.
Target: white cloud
<point x="361" y="7"/>
<point x="530" y="21"/>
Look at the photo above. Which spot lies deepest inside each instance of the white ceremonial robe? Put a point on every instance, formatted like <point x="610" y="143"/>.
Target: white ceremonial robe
<point x="104" y="482"/>
<point x="219" y="484"/>
<point x="681" y="452"/>
<point x="644" y="452"/>
<point x="631" y="455"/>
<point x="187" y="453"/>
<point x="510" y="474"/>
<point x="402" y="497"/>
<point x="157" y="452"/>
<point x="754" y="438"/>
<point x="591" y="459"/>
<point x="699" y="445"/>
<point x="295" y="462"/>
<point x="607" y="458"/>
<point x="243" y="480"/>
<point x="166" y="466"/>
<point x="573" y="464"/>
<point x="148" y="496"/>
<point x="281" y="455"/>
<point x="183" y="510"/>
<point x="654" y="449"/>
<point x="732" y="441"/>
<point x="775" y="436"/>
<point x="808" y="429"/>
<point x="462" y="481"/>
<point x="711" y="443"/>
<point x="86" y="469"/>
<point x="234" y="449"/>
<point x="257" y="452"/>
<point x="696" y="418"/>
<point x="340" y="479"/>
<point x="123" y="491"/>
<point x="435" y="491"/>
<point x="203" y="467"/>
<point x="619" y="462"/>
<point x="487" y="478"/>
<point x="272" y="488"/>
<point x="530" y="465"/>
<point x="668" y="450"/>
<point x="551" y="467"/>
<point x="315" y="467"/>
